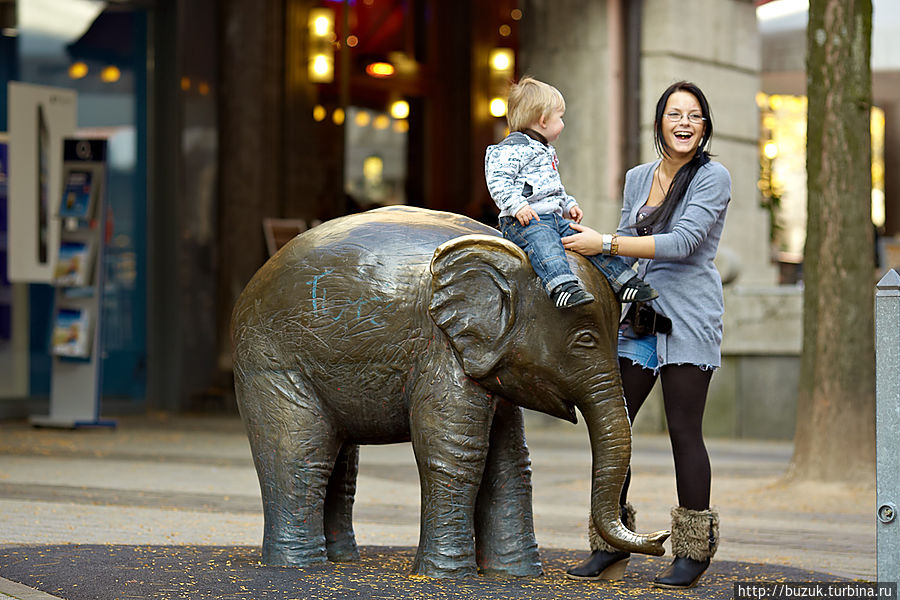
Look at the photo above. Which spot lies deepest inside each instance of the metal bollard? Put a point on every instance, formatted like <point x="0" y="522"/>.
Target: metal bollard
<point x="887" y="424"/>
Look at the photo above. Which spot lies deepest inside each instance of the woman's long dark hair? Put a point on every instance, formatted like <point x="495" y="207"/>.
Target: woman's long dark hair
<point x="686" y="173"/>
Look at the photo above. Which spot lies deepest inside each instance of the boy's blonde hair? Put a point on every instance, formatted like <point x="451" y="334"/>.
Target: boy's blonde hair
<point x="529" y="100"/>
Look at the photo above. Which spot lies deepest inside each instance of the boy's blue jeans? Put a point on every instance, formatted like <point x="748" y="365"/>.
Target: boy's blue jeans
<point x="541" y="242"/>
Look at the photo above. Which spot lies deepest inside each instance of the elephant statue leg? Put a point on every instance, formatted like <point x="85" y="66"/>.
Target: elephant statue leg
<point x="504" y="525"/>
<point x="450" y="427"/>
<point x="340" y="541"/>
<point x="294" y="451"/>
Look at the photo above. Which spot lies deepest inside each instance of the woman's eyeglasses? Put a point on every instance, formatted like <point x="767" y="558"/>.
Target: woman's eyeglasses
<point x="695" y="118"/>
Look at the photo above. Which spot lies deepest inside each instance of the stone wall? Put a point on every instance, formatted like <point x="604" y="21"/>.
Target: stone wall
<point x="715" y="44"/>
<point x="563" y="42"/>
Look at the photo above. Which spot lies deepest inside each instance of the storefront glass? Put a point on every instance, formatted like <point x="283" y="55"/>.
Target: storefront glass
<point x="100" y="52"/>
<point x="782" y="181"/>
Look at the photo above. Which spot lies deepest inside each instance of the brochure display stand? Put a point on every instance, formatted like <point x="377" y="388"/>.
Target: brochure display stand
<point x="75" y="388"/>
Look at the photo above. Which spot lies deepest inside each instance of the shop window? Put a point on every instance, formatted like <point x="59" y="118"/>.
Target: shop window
<point x="100" y="52"/>
<point x="782" y="181"/>
<point x="375" y="158"/>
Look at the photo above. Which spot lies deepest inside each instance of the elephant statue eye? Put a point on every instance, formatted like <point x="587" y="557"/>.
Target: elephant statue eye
<point x="585" y="339"/>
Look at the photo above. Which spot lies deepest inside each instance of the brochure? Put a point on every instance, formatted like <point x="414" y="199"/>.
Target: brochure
<point x="75" y="264"/>
<point x="78" y="195"/>
<point x="72" y="332"/>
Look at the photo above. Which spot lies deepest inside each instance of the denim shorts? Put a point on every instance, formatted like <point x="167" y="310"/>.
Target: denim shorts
<point x="640" y="349"/>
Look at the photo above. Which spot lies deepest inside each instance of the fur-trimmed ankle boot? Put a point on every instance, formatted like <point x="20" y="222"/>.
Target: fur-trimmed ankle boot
<point x="695" y="537"/>
<point x="605" y="561"/>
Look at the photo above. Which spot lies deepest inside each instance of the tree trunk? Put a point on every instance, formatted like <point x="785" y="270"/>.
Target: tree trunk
<point x="835" y="437"/>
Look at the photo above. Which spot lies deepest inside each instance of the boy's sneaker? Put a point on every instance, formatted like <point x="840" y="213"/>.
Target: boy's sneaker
<point x="569" y="294"/>
<point x="636" y="290"/>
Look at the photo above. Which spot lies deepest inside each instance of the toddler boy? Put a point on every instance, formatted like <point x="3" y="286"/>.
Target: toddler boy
<point x="535" y="211"/>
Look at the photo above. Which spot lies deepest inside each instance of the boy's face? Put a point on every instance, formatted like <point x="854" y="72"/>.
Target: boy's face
<point x="550" y="127"/>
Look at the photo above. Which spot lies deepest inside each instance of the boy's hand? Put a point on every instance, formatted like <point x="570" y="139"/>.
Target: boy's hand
<point x="576" y="214"/>
<point x="525" y="215"/>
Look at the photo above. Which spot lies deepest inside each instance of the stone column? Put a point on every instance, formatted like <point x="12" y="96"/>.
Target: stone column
<point x="754" y="393"/>
<point x="715" y="44"/>
<point x="252" y="141"/>
<point x="565" y="43"/>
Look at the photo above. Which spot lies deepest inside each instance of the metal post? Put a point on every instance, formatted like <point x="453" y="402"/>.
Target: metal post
<point x="887" y="424"/>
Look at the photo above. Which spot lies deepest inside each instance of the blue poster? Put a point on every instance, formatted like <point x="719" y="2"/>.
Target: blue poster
<point x="77" y="195"/>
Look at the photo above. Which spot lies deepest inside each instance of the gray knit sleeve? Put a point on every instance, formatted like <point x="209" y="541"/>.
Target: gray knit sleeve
<point x="705" y="201"/>
<point x="629" y="194"/>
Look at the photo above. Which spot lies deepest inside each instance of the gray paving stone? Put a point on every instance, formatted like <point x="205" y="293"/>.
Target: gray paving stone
<point x="189" y="480"/>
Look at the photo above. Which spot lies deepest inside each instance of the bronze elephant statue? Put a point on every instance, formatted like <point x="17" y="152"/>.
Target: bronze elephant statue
<point x="406" y="324"/>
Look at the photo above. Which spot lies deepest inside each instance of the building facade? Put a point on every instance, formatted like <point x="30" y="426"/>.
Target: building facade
<point x="299" y="111"/>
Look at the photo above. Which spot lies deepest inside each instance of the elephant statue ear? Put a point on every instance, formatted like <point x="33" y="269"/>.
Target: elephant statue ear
<point x="474" y="297"/>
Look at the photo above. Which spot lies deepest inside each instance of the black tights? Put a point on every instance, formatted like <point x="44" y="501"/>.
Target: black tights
<point x="684" y="390"/>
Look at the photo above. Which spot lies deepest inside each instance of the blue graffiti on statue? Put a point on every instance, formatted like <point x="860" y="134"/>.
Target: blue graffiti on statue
<point x="321" y="307"/>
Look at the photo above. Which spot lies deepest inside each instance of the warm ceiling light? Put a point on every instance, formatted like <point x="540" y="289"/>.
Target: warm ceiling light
<point x="110" y="74"/>
<point x="362" y="118"/>
<point x="185" y="83"/>
<point x="516" y="14"/>
<point x="498" y="107"/>
<point x="501" y="59"/>
<point x="321" y="22"/>
<point x="373" y="168"/>
<point x="380" y="69"/>
<point x="505" y="30"/>
<point x="381" y="122"/>
<point x="401" y="126"/>
<point x="320" y="51"/>
<point x="203" y="88"/>
<point x="352" y="41"/>
<point x="770" y="150"/>
<point x="321" y="26"/>
<point x="338" y="116"/>
<point x="319" y="112"/>
<point x="400" y="109"/>
<point x="320" y="64"/>
<point x="77" y="70"/>
<point x="321" y="68"/>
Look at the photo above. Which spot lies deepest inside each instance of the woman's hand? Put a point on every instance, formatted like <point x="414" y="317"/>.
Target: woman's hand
<point x="587" y="241"/>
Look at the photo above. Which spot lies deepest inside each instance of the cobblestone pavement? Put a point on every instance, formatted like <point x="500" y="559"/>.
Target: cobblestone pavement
<point x="163" y="480"/>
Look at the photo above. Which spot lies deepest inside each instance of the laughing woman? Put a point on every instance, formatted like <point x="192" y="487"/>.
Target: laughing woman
<point x="672" y="219"/>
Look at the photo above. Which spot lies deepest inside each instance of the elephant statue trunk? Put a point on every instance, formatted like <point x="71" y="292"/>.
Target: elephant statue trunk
<point x="610" y="455"/>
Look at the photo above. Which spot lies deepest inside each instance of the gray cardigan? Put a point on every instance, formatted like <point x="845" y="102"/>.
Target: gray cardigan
<point x="689" y="286"/>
